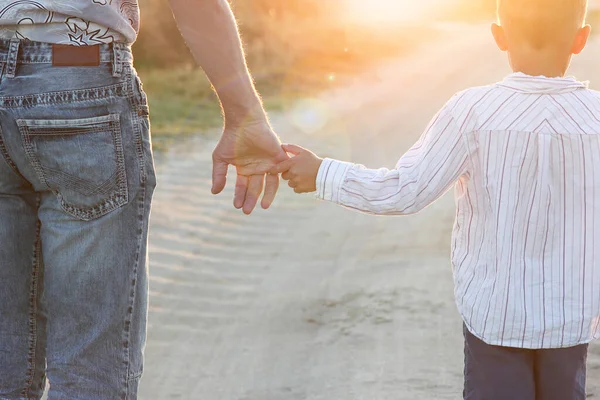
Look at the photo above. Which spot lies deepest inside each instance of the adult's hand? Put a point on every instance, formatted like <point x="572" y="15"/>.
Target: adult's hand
<point x="248" y="142"/>
<point x="253" y="148"/>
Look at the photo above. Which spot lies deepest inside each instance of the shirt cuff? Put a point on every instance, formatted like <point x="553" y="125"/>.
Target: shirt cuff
<point x="330" y="178"/>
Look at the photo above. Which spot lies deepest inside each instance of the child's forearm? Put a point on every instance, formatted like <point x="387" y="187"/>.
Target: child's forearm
<point x="379" y="192"/>
<point x="421" y="176"/>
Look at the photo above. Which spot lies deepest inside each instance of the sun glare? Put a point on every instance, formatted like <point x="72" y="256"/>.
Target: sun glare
<point x="388" y="11"/>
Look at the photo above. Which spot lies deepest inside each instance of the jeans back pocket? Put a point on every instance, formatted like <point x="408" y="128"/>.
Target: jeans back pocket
<point x="80" y="160"/>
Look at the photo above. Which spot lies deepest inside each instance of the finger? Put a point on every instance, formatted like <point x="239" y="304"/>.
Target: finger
<point x="298" y="190"/>
<point x="241" y="188"/>
<point x="271" y="187"/>
<point x="282" y="156"/>
<point x="292" y="184"/>
<point x="219" y="176"/>
<point x="286" y="175"/>
<point x="255" y="188"/>
<point x="282" y="166"/>
<point x="293" y="149"/>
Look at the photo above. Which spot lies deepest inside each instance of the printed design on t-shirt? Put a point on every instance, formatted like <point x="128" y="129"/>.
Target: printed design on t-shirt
<point x="44" y="17"/>
<point x="32" y="15"/>
<point x="129" y="9"/>
<point x="18" y="3"/>
<point x="82" y="34"/>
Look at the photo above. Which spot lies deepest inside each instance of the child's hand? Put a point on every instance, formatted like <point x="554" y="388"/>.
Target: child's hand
<point x="300" y="170"/>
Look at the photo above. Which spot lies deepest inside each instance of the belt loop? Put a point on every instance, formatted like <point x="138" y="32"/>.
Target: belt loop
<point x="11" y="59"/>
<point x="117" y="65"/>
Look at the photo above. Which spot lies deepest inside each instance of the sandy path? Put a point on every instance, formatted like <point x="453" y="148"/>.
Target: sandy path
<point x="308" y="301"/>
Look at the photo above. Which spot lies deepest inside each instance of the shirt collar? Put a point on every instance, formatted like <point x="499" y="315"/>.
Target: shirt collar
<point x="520" y="82"/>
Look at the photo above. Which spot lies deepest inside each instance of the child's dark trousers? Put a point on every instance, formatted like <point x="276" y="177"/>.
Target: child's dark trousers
<point x="505" y="373"/>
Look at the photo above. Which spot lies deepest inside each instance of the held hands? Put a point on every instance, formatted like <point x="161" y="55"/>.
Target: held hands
<point x="253" y="148"/>
<point x="301" y="170"/>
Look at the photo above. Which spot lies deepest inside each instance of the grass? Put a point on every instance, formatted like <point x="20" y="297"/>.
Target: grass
<point x="295" y="49"/>
<point x="182" y="101"/>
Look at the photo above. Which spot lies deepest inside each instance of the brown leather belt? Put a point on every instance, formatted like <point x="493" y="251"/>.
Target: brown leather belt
<point x="64" y="55"/>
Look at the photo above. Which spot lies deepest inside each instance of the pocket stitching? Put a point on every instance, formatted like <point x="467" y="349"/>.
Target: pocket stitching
<point x="114" y="201"/>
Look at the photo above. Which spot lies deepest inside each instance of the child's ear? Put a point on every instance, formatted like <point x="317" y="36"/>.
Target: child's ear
<point x="581" y="39"/>
<point x="500" y="37"/>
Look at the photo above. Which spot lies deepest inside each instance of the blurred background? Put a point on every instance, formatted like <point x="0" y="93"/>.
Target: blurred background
<point x="308" y="301"/>
<point x="294" y="48"/>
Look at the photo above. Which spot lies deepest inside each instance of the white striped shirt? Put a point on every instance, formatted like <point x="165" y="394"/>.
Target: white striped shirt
<point x="524" y="156"/>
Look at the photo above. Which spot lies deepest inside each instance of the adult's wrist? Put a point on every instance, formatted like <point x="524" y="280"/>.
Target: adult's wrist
<point x="244" y="116"/>
<point x="240" y="101"/>
<point x="240" y="114"/>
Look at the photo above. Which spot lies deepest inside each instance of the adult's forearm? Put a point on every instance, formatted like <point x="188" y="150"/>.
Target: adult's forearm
<point x="211" y="33"/>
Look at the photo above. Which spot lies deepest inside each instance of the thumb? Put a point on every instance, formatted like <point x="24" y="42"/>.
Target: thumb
<point x="219" y="176"/>
<point x="282" y="166"/>
<point x="293" y="149"/>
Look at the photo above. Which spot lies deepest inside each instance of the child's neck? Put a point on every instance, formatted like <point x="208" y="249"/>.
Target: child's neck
<point x="540" y="63"/>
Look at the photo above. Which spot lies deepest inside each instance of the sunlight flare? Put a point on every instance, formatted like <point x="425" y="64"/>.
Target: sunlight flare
<point x="389" y="11"/>
<point x="310" y="115"/>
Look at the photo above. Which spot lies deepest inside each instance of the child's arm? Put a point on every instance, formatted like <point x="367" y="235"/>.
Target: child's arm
<point x="421" y="176"/>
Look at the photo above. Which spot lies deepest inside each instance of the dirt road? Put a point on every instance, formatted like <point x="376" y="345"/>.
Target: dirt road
<point x="308" y="301"/>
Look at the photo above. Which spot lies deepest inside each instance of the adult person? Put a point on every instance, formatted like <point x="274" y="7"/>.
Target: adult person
<point x="76" y="181"/>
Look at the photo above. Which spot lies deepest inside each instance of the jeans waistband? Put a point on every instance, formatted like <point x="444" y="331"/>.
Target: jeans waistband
<point x="15" y="51"/>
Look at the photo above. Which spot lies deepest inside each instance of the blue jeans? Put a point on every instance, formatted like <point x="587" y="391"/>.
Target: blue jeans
<point x="504" y="373"/>
<point x="76" y="181"/>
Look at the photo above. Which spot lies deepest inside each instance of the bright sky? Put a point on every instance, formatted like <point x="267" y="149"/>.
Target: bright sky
<point x="387" y="11"/>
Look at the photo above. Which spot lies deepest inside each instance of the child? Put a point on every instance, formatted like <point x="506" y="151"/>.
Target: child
<point x="524" y="155"/>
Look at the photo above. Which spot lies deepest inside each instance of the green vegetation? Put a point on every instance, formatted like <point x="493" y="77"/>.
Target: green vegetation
<point x="294" y="48"/>
<point x="180" y="99"/>
<point x="182" y="102"/>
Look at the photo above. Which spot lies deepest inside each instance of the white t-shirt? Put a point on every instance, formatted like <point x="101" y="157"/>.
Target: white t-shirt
<point x="75" y="22"/>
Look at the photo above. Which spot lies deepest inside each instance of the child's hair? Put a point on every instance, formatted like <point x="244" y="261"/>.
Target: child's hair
<point x="542" y="23"/>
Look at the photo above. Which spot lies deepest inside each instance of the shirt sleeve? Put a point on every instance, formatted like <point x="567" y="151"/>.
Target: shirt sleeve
<point x="421" y="176"/>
